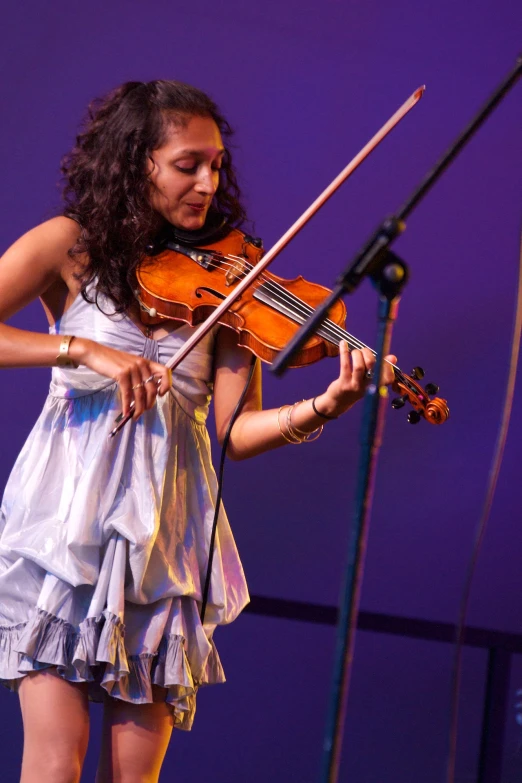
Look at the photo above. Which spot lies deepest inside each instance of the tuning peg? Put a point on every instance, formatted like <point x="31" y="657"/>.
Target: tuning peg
<point x="399" y="402"/>
<point x="417" y="373"/>
<point x="414" y="417"/>
<point x="431" y="388"/>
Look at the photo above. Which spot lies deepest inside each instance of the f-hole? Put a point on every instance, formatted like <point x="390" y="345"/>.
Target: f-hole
<point x="202" y="289"/>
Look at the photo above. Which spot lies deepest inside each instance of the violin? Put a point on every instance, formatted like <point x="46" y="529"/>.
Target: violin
<point x="186" y="277"/>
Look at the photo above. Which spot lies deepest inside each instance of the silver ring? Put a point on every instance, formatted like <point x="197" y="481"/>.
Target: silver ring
<point x="150" y="379"/>
<point x="138" y="386"/>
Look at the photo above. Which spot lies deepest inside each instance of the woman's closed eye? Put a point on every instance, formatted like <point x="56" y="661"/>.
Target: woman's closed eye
<point x="186" y="167"/>
<point x="194" y="168"/>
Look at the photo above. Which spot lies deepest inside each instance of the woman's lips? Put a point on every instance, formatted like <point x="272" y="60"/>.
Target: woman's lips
<point x="197" y="207"/>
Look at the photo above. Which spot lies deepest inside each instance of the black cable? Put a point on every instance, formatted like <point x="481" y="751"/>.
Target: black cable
<point x="224" y="447"/>
<point x="482" y="524"/>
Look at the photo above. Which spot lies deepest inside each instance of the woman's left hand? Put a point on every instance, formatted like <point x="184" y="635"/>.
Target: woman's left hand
<point x="257" y="430"/>
<point x="355" y="374"/>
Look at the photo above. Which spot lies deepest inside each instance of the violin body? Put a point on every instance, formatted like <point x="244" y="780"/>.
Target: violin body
<point x="187" y="286"/>
<point x="179" y="281"/>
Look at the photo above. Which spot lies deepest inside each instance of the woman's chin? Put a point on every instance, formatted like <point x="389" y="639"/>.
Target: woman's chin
<point x="190" y="222"/>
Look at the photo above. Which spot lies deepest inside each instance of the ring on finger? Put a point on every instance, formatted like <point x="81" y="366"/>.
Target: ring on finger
<point x="138" y="385"/>
<point x="369" y="373"/>
<point x="150" y="379"/>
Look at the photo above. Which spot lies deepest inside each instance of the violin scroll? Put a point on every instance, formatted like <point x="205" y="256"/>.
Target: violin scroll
<point x="434" y="410"/>
<point x="437" y="411"/>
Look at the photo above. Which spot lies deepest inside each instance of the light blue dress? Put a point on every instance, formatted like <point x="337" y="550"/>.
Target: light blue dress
<point x="104" y="542"/>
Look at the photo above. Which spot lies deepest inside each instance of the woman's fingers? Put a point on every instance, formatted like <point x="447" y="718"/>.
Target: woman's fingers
<point x="357" y="367"/>
<point x="141" y="384"/>
<point x="388" y="374"/>
<point x="366" y="359"/>
<point x="140" y="380"/>
<point x="358" y="370"/>
<point x="126" y="392"/>
<point x="150" y="386"/>
<point x="163" y="377"/>
<point x="138" y="390"/>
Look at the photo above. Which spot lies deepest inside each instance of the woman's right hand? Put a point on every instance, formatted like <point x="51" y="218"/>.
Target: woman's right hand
<point x="140" y="380"/>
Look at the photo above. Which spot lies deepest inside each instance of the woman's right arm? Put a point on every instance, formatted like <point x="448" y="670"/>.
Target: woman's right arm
<point x="33" y="266"/>
<point x="38" y="265"/>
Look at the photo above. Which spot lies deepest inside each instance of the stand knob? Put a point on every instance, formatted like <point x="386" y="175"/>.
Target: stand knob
<point x="417" y="373"/>
<point x="414" y="417"/>
<point x="399" y="402"/>
<point x="431" y="388"/>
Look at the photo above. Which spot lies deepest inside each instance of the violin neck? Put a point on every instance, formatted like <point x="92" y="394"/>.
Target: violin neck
<point x="334" y="334"/>
<point x="271" y="293"/>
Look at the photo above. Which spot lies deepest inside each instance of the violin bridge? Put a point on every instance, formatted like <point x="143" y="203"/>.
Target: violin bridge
<point x="236" y="271"/>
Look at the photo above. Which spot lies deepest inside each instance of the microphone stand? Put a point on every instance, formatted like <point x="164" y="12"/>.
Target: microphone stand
<point x="389" y="273"/>
<point x="389" y="279"/>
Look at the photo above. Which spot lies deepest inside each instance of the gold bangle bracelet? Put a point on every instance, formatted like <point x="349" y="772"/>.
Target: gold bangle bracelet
<point x="300" y="435"/>
<point x="293" y="434"/>
<point x="63" y="359"/>
<point x="291" y="426"/>
<point x="297" y="441"/>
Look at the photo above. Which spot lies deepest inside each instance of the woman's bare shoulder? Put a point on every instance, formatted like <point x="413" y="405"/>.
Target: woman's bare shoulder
<point x="37" y="262"/>
<point x="53" y="236"/>
<point x="49" y="241"/>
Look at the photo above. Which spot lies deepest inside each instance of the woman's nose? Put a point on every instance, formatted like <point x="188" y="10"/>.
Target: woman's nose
<point x="207" y="181"/>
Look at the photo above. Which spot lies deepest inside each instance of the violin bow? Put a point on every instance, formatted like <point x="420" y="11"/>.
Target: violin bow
<point x="274" y="251"/>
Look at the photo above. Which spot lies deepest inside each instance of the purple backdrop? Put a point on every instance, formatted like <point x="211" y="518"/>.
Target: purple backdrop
<point x="306" y="84"/>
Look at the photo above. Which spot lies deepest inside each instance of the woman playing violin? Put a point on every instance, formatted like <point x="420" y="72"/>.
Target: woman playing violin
<point x="105" y="543"/>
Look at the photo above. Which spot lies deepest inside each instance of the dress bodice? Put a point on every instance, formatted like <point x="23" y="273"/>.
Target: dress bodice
<point x="192" y="379"/>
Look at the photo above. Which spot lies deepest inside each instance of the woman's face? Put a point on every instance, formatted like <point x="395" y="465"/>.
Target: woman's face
<point x="184" y="172"/>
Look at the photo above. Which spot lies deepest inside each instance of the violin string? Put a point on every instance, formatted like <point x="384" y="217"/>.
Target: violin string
<point x="328" y="330"/>
<point x="301" y="309"/>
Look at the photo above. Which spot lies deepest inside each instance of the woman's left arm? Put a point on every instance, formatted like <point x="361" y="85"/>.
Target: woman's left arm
<point x="257" y="430"/>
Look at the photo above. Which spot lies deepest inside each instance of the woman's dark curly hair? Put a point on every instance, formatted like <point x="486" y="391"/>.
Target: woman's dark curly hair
<point x="106" y="189"/>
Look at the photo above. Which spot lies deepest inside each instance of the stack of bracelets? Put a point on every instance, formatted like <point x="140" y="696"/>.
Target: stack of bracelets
<point x="295" y="435"/>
